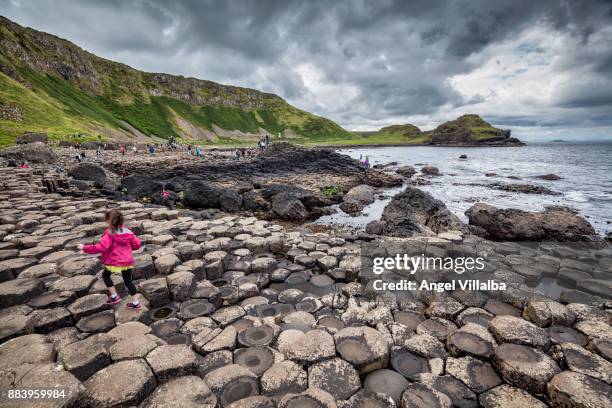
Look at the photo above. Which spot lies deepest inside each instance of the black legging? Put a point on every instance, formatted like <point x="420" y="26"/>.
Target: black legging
<point x="127" y="279"/>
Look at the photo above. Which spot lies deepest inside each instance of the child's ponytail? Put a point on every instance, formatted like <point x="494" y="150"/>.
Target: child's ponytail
<point x="114" y="219"/>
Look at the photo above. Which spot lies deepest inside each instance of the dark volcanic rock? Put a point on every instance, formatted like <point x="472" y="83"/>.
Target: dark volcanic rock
<point x="287" y="207"/>
<point x="556" y="224"/>
<point x="88" y="172"/>
<point x="412" y="210"/>
<point x="32" y="138"/>
<point x="199" y="194"/>
<point x="31" y="152"/>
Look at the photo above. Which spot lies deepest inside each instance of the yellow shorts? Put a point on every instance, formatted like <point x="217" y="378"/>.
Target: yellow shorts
<point x="117" y="269"/>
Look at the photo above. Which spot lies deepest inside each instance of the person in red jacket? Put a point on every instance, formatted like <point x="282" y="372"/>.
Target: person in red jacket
<point x="115" y="249"/>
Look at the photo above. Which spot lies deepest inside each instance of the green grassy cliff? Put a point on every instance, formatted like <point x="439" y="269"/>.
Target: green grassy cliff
<point x="50" y="85"/>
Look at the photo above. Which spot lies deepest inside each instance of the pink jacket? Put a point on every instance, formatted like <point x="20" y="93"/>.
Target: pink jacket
<point x="115" y="249"/>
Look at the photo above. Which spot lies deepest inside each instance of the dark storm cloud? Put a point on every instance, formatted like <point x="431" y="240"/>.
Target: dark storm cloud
<point x="358" y="62"/>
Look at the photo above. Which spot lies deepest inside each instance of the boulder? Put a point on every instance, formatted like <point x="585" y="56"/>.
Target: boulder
<point x="415" y="211"/>
<point x="406" y="171"/>
<point x="552" y="224"/>
<point x="230" y="201"/>
<point x="362" y="194"/>
<point x="287" y="207"/>
<point x="32" y="138"/>
<point x="88" y="172"/>
<point x="17" y="291"/>
<point x="32" y="153"/>
<point x="430" y="171"/>
<point x="199" y="194"/>
<point x="181" y="285"/>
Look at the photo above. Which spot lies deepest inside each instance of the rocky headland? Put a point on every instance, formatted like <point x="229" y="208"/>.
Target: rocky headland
<point x="242" y="311"/>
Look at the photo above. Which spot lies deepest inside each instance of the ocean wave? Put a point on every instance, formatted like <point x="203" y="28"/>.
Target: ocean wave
<point x="577" y="196"/>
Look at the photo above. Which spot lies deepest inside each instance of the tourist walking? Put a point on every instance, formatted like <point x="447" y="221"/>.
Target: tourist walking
<point x="115" y="249"/>
<point x="122" y="149"/>
<point x="135" y="150"/>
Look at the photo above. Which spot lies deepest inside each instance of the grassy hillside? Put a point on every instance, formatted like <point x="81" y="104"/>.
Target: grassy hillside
<point x="51" y="85"/>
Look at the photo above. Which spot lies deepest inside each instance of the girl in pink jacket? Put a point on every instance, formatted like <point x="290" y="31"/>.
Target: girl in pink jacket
<point x="115" y="249"/>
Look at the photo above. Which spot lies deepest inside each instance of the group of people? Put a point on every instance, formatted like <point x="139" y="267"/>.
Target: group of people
<point x="263" y="143"/>
<point x="365" y="163"/>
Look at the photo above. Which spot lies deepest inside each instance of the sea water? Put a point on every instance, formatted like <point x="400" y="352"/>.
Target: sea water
<point x="585" y="185"/>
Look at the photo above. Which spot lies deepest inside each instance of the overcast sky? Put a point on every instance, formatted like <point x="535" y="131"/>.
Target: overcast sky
<point x="542" y="68"/>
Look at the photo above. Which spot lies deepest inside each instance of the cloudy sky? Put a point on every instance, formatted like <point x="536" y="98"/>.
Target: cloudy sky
<point x="542" y="68"/>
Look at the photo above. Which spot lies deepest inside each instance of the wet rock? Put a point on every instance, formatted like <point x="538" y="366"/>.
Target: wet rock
<point x="97" y="322"/>
<point x="430" y="171"/>
<point x="556" y="224"/>
<point x="386" y="382"/>
<point x="549" y="177"/>
<point x="498" y="308"/>
<point x="183" y="392"/>
<point x="509" y="329"/>
<point x="108" y="387"/>
<point x="232" y="383"/>
<point x="406" y="171"/>
<point x="308" y="347"/>
<point x="506" y="396"/>
<point x="476" y="374"/>
<point x="475" y="315"/>
<point x="312" y="397"/>
<point x="335" y="376"/>
<point x="569" y="389"/>
<point x="409" y="365"/>
<point x="525" y="367"/>
<point x="256" y="359"/>
<point x="172" y="361"/>
<point x="257" y="336"/>
<point x="283" y="378"/>
<point x="418" y="395"/>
